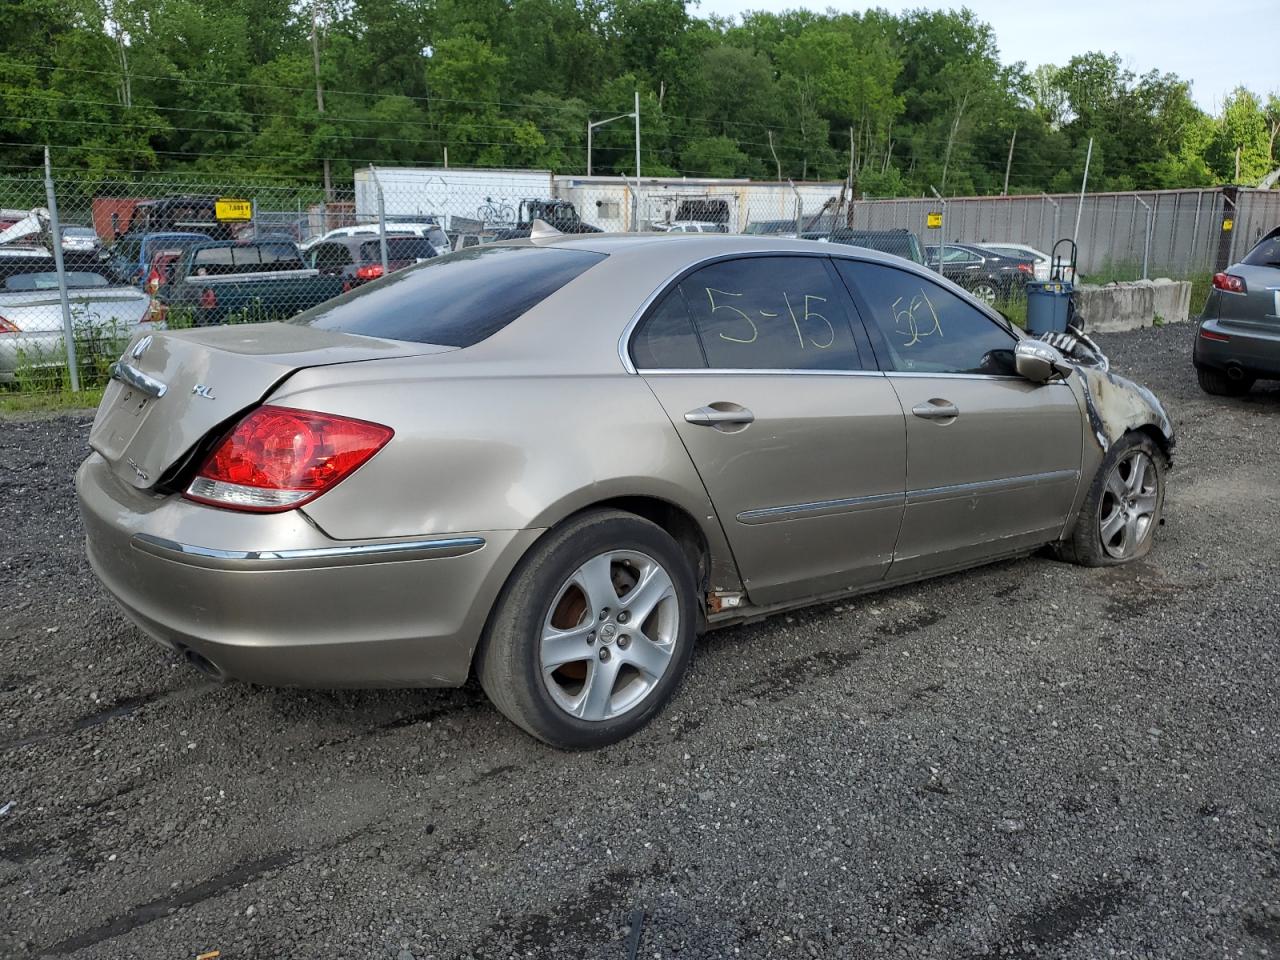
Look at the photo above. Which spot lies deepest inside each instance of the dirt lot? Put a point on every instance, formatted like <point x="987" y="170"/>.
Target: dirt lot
<point x="1028" y="760"/>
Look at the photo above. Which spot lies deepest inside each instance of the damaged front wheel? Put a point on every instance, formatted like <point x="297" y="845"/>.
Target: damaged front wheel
<point x="1118" y="519"/>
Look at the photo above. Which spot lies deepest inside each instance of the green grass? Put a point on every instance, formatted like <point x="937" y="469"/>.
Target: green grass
<point x="24" y="403"/>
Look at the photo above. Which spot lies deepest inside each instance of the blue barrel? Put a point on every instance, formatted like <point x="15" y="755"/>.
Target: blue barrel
<point x="1048" y="306"/>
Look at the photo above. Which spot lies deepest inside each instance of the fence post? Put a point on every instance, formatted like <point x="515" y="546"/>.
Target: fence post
<point x="382" y="219"/>
<point x="68" y="332"/>
<point x="942" y="239"/>
<point x="1146" y="236"/>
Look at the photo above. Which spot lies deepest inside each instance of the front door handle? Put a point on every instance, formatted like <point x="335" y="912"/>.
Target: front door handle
<point x="720" y="414"/>
<point x="936" y="409"/>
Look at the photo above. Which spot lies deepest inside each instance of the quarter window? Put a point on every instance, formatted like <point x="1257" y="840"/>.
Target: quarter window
<point x="770" y="313"/>
<point x="926" y="328"/>
<point x="665" y="339"/>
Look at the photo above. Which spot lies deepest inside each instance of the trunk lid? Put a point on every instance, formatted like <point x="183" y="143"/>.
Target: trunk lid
<point x="1259" y="307"/>
<point x="170" y="389"/>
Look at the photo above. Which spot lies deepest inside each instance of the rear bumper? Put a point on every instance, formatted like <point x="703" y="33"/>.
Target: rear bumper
<point x="270" y="599"/>
<point x="1255" y="352"/>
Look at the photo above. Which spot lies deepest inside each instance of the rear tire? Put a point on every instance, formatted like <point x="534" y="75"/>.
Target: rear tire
<point x="1118" y="521"/>
<point x="986" y="291"/>
<point x="593" y="632"/>
<point x="1218" y="384"/>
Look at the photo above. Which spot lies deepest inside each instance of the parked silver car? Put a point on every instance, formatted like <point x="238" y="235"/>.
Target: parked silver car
<point x="1238" y="340"/>
<point x="31" y="320"/>
<point x="556" y="461"/>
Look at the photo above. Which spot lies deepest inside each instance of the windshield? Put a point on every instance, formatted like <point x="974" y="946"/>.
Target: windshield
<point x="456" y="300"/>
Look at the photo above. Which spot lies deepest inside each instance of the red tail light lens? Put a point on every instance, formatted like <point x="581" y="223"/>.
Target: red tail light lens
<point x="1214" y="335"/>
<point x="153" y="281"/>
<point x="1026" y="268"/>
<point x="1229" y="282"/>
<point x="208" y="299"/>
<point x="370" y="272"/>
<point x="278" y="458"/>
<point x="8" y="326"/>
<point x="156" y="312"/>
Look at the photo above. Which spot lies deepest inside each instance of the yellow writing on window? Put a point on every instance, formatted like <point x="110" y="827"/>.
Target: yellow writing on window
<point x="917" y="320"/>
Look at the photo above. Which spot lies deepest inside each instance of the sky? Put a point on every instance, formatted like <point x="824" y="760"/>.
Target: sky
<point x="1217" y="46"/>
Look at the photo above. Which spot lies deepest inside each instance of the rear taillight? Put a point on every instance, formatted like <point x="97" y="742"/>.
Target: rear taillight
<point x="208" y="299"/>
<point x="8" y="326"/>
<point x="1026" y="268"/>
<point x="153" y="281"/>
<point x="1214" y="335"/>
<point x="1229" y="282"/>
<point x="156" y="312"/>
<point x="278" y="458"/>
<point x="370" y="272"/>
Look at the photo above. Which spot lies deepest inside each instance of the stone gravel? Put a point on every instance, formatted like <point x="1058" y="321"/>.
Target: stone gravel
<point x="1026" y="760"/>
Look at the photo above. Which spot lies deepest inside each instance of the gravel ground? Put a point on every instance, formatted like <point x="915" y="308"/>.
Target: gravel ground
<point x="1027" y="760"/>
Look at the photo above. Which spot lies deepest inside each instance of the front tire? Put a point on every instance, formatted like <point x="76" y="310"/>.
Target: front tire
<point x="593" y="633"/>
<point x="1218" y="384"/>
<point x="1118" y="520"/>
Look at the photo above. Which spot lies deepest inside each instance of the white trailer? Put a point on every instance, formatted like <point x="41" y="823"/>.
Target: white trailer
<point x="458" y="199"/>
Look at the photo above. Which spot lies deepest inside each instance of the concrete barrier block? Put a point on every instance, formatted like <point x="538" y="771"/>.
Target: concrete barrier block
<point x="1132" y="305"/>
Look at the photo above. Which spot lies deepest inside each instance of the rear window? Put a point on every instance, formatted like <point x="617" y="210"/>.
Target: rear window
<point x="49" y="281"/>
<point x="904" y="245"/>
<point x="398" y="248"/>
<point x="1265" y="254"/>
<point x="455" y="300"/>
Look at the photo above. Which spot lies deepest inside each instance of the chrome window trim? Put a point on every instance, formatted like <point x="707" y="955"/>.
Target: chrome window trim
<point x="822" y="508"/>
<point x="756" y="371"/>
<point x="917" y="375"/>
<point x="335" y="556"/>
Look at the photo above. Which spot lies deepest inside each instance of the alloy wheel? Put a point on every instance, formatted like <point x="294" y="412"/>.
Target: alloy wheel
<point x="609" y="635"/>
<point x="985" y="292"/>
<point x="1128" y="505"/>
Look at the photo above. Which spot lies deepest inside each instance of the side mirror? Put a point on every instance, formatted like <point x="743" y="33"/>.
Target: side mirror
<point x="1039" y="362"/>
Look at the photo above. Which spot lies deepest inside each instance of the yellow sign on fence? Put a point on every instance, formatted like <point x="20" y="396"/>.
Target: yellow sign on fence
<point x="225" y="209"/>
<point x="933" y="221"/>
<point x="1227" y="224"/>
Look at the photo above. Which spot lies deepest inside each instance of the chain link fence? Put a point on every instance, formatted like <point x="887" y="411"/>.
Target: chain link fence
<point x="183" y="251"/>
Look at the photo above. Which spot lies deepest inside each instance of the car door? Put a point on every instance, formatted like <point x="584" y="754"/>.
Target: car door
<point x="993" y="460"/>
<point x="799" y="441"/>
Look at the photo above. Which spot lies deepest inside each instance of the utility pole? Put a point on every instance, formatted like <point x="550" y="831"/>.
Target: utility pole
<point x="1009" y="163"/>
<point x="1075" y="235"/>
<point x="1237" y="179"/>
<point x="776" y="162"/>
<point x="851" y="163"/>
<point x="637" y="116"/>
<point x="315" y="56"/>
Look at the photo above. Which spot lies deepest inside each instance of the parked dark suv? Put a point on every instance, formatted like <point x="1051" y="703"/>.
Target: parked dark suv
<point x="1238" y="341"/>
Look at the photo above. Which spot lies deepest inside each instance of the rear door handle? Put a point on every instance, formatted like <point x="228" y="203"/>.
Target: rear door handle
<point x="936" y="409"/>
<point x="711" y="416"/>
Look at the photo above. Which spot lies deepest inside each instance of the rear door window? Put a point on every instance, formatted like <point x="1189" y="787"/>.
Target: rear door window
<point x="771" y="313"/>
<point x="455" y="300"/>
